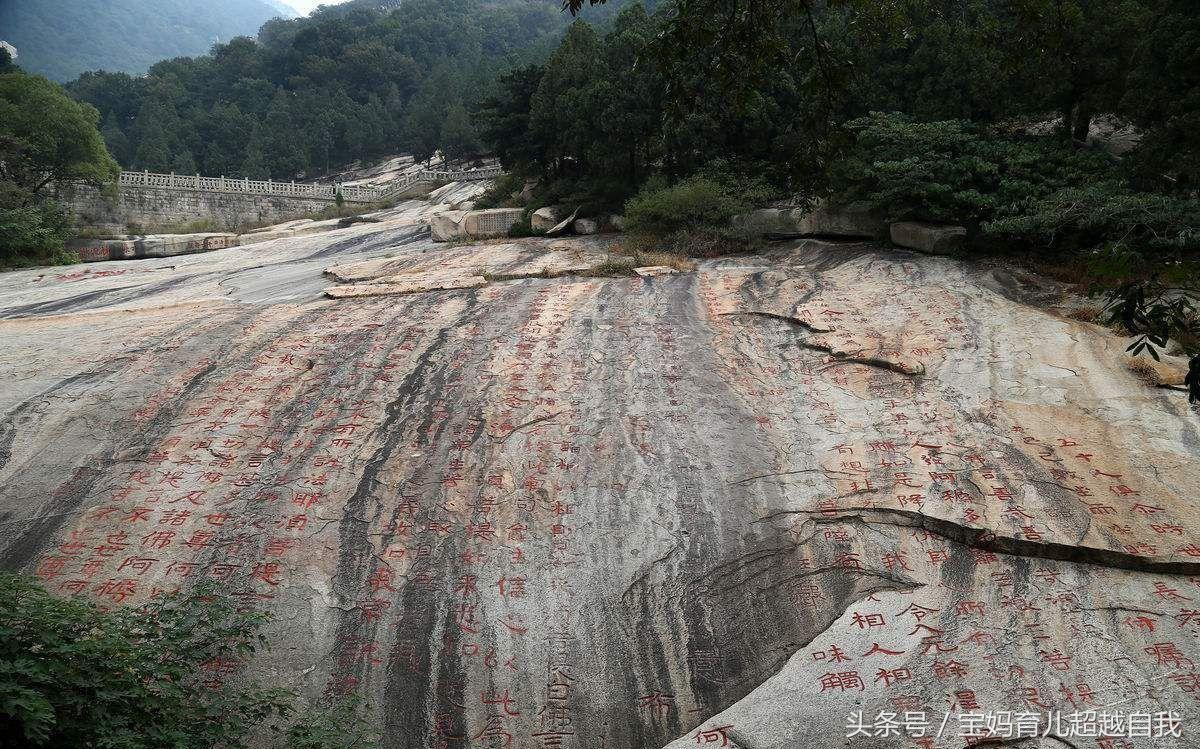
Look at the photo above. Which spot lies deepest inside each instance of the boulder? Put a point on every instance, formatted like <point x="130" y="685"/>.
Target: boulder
<point x="561" y="226"/>
<point x="852" y="221"/>
<point x="767" y="222"/>
<point x="616" y="223"/>
<point x="855" y="220"/>
<point x="545" y="219"/>
<point x="448" y="225"/>
<point x="934" y="239"/>
<point x="495" y="222"/>
<point x="586" y="226"/>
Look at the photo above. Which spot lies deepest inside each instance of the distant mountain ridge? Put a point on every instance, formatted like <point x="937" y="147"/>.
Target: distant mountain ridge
<point x="62" y="38"/>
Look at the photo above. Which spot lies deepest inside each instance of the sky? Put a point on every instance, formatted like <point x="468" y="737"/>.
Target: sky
<point x="307" y="6"/>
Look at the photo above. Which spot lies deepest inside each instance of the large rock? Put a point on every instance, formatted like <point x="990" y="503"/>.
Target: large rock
<point x="495" y="222"/>
<point x="856" y="220"/>
<point x="852" y="221"/>
<point x="545" y="219"/>
<point x="931" y="238"/>
<point x="448" y="225"/>
<point x="152" y="245"/>
<point x="586" y="226"/>
<point x="723" y="510"/>
<point x="767" y="222"/>
<point x="561" y="226"/>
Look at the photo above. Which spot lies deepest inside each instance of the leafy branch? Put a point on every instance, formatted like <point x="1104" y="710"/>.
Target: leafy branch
<point x="1154" y="313"/>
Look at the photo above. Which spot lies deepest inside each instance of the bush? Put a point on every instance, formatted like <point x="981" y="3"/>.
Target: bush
<point x="33" y="235"/>
<point x="705" y="201"/>
<point x="500" y="194"/>
<point x="524" y="227"/>
<point x="955" y="171"/>
<point x="1105" y="213"/>
<point x="153" y="676"/>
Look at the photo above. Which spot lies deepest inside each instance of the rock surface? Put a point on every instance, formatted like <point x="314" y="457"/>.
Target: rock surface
<point x="399" y="285"/>
<point x="654" y="270"/>
<point x="729" y="507"/>
<point x="934" y="239"/>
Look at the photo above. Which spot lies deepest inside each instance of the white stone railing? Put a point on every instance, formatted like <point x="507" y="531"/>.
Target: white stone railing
<point x="444" y="176"/>
<point x="350" y="193"/>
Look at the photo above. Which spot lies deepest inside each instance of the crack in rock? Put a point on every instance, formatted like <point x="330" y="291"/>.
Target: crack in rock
<point x="988" y="540"/>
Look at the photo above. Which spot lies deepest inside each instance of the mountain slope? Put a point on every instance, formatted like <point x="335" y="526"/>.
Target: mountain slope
<point x="62" y="38"/>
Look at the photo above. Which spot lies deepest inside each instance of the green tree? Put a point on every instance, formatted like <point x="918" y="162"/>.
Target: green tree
<point x="628" y="131"/>
<point x="145" y="677"/>
<point x="254" y="165"/>
<point x="563" y="110"/>
<point x="45" y="139"/>
<point x="1085" y="50"/>
<point x="458" y="140"/>
<point x="1163" y="97"/>
<point x="505" y="120"/>
<point x="49" y="137"/>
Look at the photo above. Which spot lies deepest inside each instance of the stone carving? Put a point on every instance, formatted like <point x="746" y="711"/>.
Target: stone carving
<point x="494" y="222"/>
<point x="731" y="507"/>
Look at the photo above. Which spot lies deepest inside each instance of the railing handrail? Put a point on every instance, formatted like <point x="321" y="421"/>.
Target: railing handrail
<point x="351" y="193"/>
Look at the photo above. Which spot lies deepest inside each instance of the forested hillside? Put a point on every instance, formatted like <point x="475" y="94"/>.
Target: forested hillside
<point x="347" y="83"/>
<point x="62" y="38"/>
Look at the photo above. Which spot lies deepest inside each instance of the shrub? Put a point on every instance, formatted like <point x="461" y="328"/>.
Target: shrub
<point x="1105" y="213"/>
<point x="500" y="194"/>
<point x="954" y="170"/>
<point x="33" y="235"/>
<point x="524" y="227"/>
<point x="705" y="201"/>
<point x="153" y="676"/>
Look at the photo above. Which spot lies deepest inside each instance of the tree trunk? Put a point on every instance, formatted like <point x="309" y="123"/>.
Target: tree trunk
<point x="1067" y="113"/>
<point x="1083" y="123"/>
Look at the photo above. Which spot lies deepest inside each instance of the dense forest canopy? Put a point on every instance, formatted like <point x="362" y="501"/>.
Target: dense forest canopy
<point x="349" y="82"/>
<point x="62" y="38"/>
<point x="772" y="85"/>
